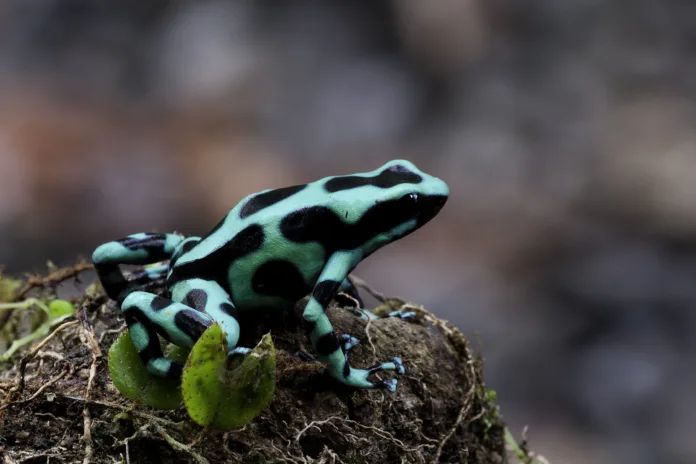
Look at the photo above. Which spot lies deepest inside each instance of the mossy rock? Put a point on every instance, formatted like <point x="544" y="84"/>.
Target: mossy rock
<point x="309" y="416"/>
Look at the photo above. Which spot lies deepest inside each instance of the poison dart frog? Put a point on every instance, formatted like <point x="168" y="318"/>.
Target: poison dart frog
<point x="272" y="249"/>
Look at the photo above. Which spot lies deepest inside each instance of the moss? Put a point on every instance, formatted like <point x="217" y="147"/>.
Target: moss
<point x="8" y="288"/>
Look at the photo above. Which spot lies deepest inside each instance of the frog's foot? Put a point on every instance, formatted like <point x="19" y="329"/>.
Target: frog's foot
<point x="405" y="315"/>
<point x="147" y="275"/>
<point x="145" y="248"/>
<point x="234" y="354"/>
<point x="365" y="314"/>
<point x="239" y="351"/>
<point x="359" y="377"/>
<point x="347" y="343"/>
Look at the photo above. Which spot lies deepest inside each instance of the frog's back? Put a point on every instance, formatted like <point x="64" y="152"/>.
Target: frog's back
<point x="248" y="255"/>
<point x="271" y="248"/>
<point x="275" y="271"/>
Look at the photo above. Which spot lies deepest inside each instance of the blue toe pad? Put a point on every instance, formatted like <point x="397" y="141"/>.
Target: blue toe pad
<point x="399" y="365"/>
<point x="390" y="385"/>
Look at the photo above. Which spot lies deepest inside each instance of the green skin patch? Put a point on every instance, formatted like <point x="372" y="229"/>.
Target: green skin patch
<point x="269" y="251"/>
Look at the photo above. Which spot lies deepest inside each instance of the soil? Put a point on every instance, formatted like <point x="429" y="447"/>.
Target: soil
<point x="58" y="404"/>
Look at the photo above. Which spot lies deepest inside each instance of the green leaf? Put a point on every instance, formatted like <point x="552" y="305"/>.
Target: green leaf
<point x="249" y="388"/>
<point x="131" y="378"/>
<point x="60" y="308"/>
<point x="57" y="311"/>
<point x="227" y="399"/>
<point x="176" y="353"/>
<point x="200" y="383"/>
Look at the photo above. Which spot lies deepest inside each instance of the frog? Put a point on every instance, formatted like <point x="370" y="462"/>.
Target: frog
<point x="271" y="250"/>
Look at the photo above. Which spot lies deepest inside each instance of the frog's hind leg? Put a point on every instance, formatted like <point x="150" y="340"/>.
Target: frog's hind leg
<point x="210" y="298"/>
<point x="144" y="248"/>
<point x="195" y="305"/>
<point x="148" y="315"/>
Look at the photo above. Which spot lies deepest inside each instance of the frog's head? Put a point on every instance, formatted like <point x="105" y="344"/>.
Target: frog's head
<point x="395" y="200"/>
<point x="410" y="193"/>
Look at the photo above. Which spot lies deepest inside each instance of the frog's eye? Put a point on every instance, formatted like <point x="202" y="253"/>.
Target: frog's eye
<point x="410" y="199"/>
<point x="407" y="204"/>
<point x="406" y="207"/>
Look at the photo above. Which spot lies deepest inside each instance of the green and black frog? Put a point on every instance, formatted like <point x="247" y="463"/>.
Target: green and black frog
<point x="269" y="251"/>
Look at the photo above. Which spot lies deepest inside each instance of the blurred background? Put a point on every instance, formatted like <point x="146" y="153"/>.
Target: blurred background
<point x="565" y="130"/>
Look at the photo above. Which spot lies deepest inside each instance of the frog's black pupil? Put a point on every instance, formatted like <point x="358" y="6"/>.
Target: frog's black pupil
<point x="408" y="202"/>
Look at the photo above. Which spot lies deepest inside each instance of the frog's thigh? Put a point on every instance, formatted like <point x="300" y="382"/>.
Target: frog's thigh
<point x="148" y="315"/>
<point x="210" y="298"/>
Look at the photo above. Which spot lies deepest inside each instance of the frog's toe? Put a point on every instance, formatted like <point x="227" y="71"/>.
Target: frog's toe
<point x="405" y="315"/>
<point x="361" y="375"/>
<point x="395" y="365"/>
<point x="367" y="315"/>
<point x="399" y="365"/>
<point x="348" y="342"/>
<point x="389" y="384"/>
<point x="363" y="314"/>
<point x="239" y="351"/>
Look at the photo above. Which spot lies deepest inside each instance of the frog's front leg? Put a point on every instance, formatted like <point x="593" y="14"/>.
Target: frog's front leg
<point x="195" y="305"/>
<point x="325" y="342"/>
<point x="144" y="248"/>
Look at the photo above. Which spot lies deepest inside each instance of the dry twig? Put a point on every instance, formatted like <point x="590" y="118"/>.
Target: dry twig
<point x="54" y="278"/>
<point x="51" y="280"/>
<point x="19" y="382"/>
<point x="96" y="355"/>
